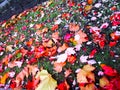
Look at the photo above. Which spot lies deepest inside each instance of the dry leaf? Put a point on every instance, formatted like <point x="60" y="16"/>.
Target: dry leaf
<point x="4" y="78"/>
<point x="81" y="77"/>
<point x="9" y="48"/>
<point x="88" y="68"/>
<point x="58" y="66"/>
<point x="48" y="44"/>
<point x="55" y="35"/>
<point x="67" y="72"/>
<point x="62" y="48"/>
<point x="25" y="73"/>
<point x="90" y="86"/>
<point x="90" y="1"/>
<point x="88" y="8"/>
<point x="80" y="37"/>
<point x="103" y="82"/>
<point x="85" y="75"/>
<point x="47" y="82"/>
<point x="73" y="27"/>
<point x="38" y="26"/>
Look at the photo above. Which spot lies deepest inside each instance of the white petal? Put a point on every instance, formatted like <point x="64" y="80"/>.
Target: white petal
<point x="77" y="47"/>
<point x="58" y="21"/>
<point x="61" y="58"/>
<point x="77" y="37"/>
<point x="83" y="58"/>
<point x="19" y="63"/>
<point x="70" y="51"/>
<point x="93" y="18"/>
<point x="91" y="62"/>
<point x="11" y="74"/>
<point x="97" y="5"/>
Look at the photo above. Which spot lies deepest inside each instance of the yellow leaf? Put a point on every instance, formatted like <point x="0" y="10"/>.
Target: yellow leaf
<point x="88" y="8"/>
<point x="103" y="82"/>
<point x="88" y="68"/>
<point x="47" y="82"/>
<point x="9" y="48"/>
<point x="90" y="86"/>
<point x="81" y="77"/>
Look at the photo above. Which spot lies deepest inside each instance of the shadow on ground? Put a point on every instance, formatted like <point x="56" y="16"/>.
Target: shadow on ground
<point x="11" y="7"/>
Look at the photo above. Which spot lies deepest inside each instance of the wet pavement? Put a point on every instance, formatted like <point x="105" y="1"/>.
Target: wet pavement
<point x="11" y="7"/>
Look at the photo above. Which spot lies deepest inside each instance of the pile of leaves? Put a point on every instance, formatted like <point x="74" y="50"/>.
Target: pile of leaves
<point x="62" y="46"/>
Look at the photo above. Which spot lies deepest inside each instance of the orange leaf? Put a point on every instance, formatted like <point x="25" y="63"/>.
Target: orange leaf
<point x="89" y="1"/>
<point x="80" y="37"/>
<point x="71" y="59"/>
<point x="58" y="66"/>
<point x="55" y="35"/>
<point x="85" y="75"/>
<point x="90" y="86"/>
<point x="74" y="27"/>
<point x="103" y="82"/>
<point x="54" y="27"/>
<point x="5" y="60"/>
<point x="29" y="43"/>
<point x="63" y="47"/>
<point x="48" y="43"/>
<point x="81" y="77"/>
<point x="38" y="26"/>
<point x="4" y="78"/>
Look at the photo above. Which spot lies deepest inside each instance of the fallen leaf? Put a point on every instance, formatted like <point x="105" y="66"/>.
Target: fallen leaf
<point x="71" y="59"/>
<point x="47" y="82"/>
<point x="4" y="78"/>
<point x="90" y="86"/>
<point x="67" y="72"/>
<point x="90" y="1"/>
<point x="9" y="48"/>
<point x="58" y="66"/>
<point x="54" y="27"/>
<point x="81" y="77"/>
<point x="85" y="75"/>
<point x="88" y="8"/>
<point x="103" y="82"/>
<point x="74" y="27"/>
<point x="62" y="48"/>
<point x="88" y="68"/>
<point x="38" y="26"/>
<point x="80" y="37"/>
<point x="108" y="70"/>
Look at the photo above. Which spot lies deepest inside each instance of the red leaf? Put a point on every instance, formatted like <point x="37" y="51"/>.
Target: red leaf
<point x="63" y="86"/>
<point x="101" y="44"/>
<point x="32" y="60"/>
<point x="112" y="43"/>
<point x="54" y="27"/>
<point x="108" y="70"/>
<point x="12" y="84"/>
<point x="93" y="52"/>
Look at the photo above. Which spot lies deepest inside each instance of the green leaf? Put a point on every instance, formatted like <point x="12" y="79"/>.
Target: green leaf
<point x="19" y="55"/>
